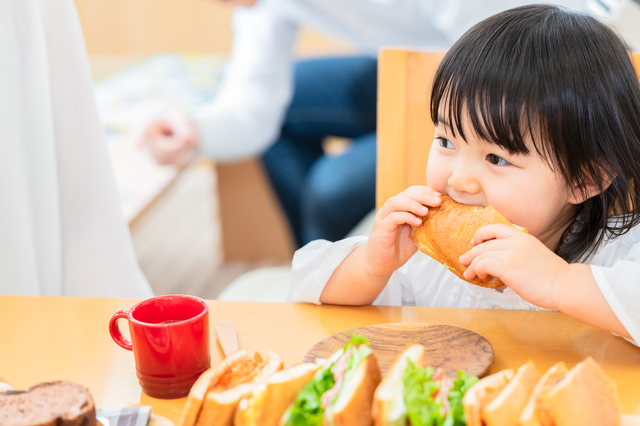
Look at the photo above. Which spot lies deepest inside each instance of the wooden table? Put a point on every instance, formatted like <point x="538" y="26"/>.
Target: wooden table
<point x="52" y="338"/>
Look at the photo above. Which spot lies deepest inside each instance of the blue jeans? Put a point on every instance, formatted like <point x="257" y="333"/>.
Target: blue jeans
<point x="324" y="197"/>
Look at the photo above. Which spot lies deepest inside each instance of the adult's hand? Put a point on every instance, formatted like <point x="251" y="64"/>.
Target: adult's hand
<point x="170" y="141"/>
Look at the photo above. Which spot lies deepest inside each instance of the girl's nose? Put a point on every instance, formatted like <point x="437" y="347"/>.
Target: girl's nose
<point x="462" y="180"/>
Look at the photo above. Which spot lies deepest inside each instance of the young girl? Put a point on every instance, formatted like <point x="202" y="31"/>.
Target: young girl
<point x="537" y="113"/>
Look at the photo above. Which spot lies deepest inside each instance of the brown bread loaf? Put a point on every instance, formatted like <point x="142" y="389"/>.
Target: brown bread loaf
<point x="446" y="233"/>
<point x="48" y="404"/>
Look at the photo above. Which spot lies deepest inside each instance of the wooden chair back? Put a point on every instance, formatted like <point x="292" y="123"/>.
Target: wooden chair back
<point x="405" y="130"/>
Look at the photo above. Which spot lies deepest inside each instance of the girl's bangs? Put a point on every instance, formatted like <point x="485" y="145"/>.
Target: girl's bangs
<point x="496" y="94"/>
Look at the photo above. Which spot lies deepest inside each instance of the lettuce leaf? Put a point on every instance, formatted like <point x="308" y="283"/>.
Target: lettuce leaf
<point x="307" y="408"/>
<point x="460" y="387"/>
<point x="357" y="340"/>
<point x="360" y="349"/>
<point x="425" y="410"/>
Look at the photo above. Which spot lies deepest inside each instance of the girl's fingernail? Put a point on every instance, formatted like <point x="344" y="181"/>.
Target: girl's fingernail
<point x="423" y="209"/>
<point x="436" y="194"/>
<point x="461" y="259"/>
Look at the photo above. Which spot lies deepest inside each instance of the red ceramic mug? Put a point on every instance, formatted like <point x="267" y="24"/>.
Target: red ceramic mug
<point x="170" y="342"/>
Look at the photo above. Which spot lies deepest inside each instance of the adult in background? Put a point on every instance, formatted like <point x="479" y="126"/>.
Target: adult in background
<point x="61" y="228"/>
<point x="273" y="106"/>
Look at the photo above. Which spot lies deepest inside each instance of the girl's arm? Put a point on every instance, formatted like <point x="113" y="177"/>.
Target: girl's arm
<point x="577" y="294"/>
<point x="363" y="274"/>
<point x="540" y="276"/>
<point x="352" y="283"/>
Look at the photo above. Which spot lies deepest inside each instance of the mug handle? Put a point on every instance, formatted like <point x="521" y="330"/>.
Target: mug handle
<point x="115" y="332"/>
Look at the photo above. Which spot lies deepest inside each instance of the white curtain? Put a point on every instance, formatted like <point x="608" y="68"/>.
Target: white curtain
<point x="61" y="229"/>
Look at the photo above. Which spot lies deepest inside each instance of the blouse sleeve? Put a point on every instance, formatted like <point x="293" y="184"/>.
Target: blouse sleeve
<point x="313" y="265"/>
<point x="620" y="286"/>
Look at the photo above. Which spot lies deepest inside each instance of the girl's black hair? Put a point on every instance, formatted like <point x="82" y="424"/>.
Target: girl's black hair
<point x="565" y="82"/>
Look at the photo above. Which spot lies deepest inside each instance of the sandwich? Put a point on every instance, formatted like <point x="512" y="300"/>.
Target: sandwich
<point x="446" y="233"/>
<point x="506" y="407"/>
<point x="266" y="403"/>
<point x="412" y="395"/>
<point x="533" y="414"/>
<point x="482" y="393"/>
<point x="341" y="391"/>
<point x="582" y="396"/>
<point x="213" y="398"/>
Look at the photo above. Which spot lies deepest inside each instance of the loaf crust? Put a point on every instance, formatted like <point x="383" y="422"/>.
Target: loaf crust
<point x="446" y="233"/>
<point x="58" y="403"/>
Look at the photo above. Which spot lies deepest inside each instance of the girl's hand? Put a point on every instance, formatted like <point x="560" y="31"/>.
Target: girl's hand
<point x="389" y="244"/>
<point x="520" y="260"/>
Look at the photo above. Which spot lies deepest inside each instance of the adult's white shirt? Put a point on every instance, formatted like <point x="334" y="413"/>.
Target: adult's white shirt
<point x="61" y="228"/>
<point x="246" y="116"/>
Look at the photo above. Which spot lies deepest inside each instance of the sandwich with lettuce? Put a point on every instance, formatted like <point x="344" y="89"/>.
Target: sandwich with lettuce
<point x="341" y="391"/>
<point x="417" y="396"/>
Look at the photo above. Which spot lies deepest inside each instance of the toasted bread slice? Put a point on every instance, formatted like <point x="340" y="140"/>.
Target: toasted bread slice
<point x="353" y="407"/>
<point x="530" y="416"/>
<point x="506" y="407"/>
<point x="482" y="393"/>
<point x="266" y="403"/>
<point x="219" y="404"/>
<point x="585" y="397"/>
<point x="388" y="399"/>
<point x="446" y="233"/>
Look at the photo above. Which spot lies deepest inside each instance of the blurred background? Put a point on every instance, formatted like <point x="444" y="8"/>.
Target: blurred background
<point x="198" y="228"/>
<point x="148" y="56"/>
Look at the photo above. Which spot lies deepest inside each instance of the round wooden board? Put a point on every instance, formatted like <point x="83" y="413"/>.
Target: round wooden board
<point x="447" y="347"/>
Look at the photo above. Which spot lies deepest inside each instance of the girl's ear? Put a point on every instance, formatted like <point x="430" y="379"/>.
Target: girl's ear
<point x="589" y="188"/>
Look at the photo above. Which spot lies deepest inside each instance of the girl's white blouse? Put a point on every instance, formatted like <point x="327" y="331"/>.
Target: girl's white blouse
<point x="423" y="281"/>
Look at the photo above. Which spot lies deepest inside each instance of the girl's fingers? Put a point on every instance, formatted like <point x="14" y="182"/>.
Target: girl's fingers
<point x="423" y="195"/>
<point x="415" y="199"/>
<point x="487" y="246"/>
<point x="397" y="219"/>
<point x="401" y="203"/>
<point x="492" y="232"/>
<point x="482" y="266"/>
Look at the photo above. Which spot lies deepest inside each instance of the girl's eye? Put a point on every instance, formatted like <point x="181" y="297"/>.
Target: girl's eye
<point x="497" y="161"/>
<point x="445" y="143"/>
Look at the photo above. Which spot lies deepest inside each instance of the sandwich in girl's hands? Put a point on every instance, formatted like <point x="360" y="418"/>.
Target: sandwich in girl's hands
<point x="447" y="231"/>
<point x="536" y="112"/>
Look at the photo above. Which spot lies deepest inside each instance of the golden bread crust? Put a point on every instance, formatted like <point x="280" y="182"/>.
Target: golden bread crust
<point x="357" y="411"/>
<point x="199" y="389"/>
<point x="446" y="233"/>
<point x="531" y="415"/>
<point x="214" y="397"/>
<point x="383" y="396"/>
<point x="482" y="393"/>
<point x="506" y="407"/>
<point x="266" y="403"/>
<point x="586" y="396"/>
